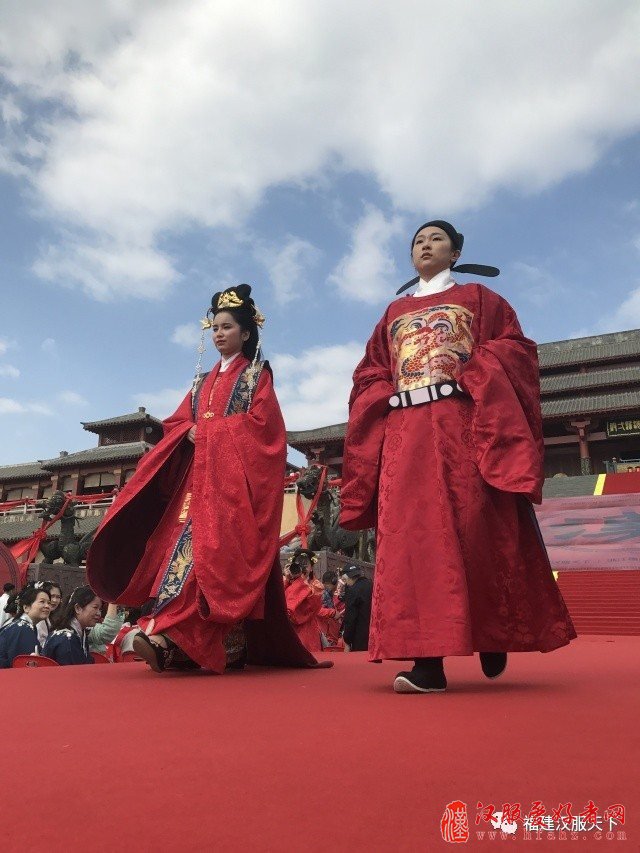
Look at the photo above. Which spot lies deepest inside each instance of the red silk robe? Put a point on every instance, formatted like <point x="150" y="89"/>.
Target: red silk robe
<point x="460" y="563"/>
<point x="227" y="570"/>
<point x="303" y="606"/>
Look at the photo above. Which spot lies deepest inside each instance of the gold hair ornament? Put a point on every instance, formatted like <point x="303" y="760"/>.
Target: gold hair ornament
<point x="229" y="299"/>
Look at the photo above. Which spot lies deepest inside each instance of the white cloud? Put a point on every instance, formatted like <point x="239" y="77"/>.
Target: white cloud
<point x="107" y="268"/>
<point x="9" y="370"/>
<point x="132" y="121"/>
<point x="72" y="398"/>
<point x="538" y="285"/>
<point x="186" y="335"/>
<point x="49" y="346"/>
<point x="287" y="267"/>
<point x="626" y="316"/>
<point x="368" y="272"/>
<point x="4" y="345"/>
<point x="161" y="403"/>
<point x="313" y="388"/>
<point x="13" y="407"/>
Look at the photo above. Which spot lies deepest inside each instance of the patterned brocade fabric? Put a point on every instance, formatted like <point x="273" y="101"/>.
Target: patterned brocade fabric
<point x="235" y="644"/>
<point x="181" y="561"/>
<point x="430" y="345"/>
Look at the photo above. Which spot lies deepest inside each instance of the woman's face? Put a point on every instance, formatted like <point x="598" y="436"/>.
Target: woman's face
<point x="228" y="335"/>
<point x="432" y="252"/>
<point x="90" y="614"/>
<point x="56" y="597"/>
<point x="40" y="608"/>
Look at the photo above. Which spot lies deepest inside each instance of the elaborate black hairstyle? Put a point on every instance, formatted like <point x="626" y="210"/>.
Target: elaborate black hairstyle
<point x="238" y="302"/>
<point x="294" y="565"/>
<point x="81" y="595"/>
<point x="24" y="598"/>
<point x="457" y="241"/>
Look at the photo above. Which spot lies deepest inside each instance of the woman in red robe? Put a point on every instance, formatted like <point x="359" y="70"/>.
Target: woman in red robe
<point x="194" y="534"/>
<point x="443" y="454"/>
<point x="304" y="599"/>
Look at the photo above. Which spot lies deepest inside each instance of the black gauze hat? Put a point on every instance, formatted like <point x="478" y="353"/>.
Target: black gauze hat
<point x="456" y="238"/>
<point x="457" y="241"/>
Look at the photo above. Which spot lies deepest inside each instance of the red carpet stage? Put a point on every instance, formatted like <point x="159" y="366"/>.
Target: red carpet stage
<point x="106" y="758"/>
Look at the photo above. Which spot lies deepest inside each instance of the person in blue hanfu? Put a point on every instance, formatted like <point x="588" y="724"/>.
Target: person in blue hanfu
<point x="69" y="643"/>
<point x="20" y="636"/>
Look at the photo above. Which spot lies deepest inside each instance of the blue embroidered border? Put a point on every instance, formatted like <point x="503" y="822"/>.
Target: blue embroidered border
<point x="177" y="571"/>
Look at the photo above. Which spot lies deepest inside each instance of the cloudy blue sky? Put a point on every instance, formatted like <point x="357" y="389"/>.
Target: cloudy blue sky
<point x="154" y="151"/>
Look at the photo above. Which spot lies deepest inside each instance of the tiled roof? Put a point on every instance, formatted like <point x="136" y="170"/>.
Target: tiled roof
<point x="606" y="378"/>
<point x="552" y="408"/>
<point x="562" y="407"/>
<point x="121" y="420"/>
<point x="23" y="471"/>
<point x="25" y="525"/>
<point x="611" y="347"/>
<point x="310" y="436"/>
<point x="106" y="453"/>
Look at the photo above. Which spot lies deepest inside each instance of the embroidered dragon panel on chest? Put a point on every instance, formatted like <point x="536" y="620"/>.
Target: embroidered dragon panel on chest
<point x="430" y="345"/>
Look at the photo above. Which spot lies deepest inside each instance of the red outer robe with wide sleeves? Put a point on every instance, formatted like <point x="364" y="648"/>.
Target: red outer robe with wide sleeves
<point x="238" y="463"/>
<point x="460" y="564"/>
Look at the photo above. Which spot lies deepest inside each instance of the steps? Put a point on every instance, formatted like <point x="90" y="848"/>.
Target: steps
<point x="603" y="602"/>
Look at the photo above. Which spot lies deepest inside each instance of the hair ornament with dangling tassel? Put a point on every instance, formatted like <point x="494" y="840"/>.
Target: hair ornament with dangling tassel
<point x="238" y="302"/>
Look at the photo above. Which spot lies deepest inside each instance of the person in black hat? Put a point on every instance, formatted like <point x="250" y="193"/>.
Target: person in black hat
<point x="443" y="455"/>
<point x="357" y="613"/>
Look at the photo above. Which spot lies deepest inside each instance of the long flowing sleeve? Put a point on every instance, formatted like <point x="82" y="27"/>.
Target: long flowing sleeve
<point x="368" y="409"/>
<point x="104" y="632"/>
<point x="502" y="378"/>
<point x="302" y="603"/>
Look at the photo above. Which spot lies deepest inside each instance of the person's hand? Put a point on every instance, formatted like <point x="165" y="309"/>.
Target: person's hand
<point x="191" y="435"/>
<point x="347" y="647"/>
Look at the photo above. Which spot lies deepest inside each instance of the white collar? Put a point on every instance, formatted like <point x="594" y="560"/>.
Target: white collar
<point x="26" y="618"/>
<point x="441" y="281"/>
<point x="77" y="627"/>
<point x="225" y="362"/>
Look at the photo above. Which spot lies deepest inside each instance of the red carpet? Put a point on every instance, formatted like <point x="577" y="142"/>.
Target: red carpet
<point x="603" y="602"/>
<point x="108" y="758"/>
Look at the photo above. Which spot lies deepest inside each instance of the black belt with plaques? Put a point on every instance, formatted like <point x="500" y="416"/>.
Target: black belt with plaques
<point x="425" y="394"/>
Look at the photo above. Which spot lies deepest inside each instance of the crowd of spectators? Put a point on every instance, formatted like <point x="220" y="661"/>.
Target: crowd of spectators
<point x="331" y="613"/>
<point x="36" y="621"/>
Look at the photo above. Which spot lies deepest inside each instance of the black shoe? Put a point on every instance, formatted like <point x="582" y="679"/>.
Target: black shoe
<point x="156" y="656"/>
<point x="493" y="663"/>
<point x="427" y="676"/>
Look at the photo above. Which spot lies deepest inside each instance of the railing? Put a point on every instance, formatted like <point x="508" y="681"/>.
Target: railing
<point x="12" y="511"/>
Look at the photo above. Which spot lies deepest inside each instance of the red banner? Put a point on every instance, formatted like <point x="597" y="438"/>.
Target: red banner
<point x="303" y="527"/>
<point x="592" y="532"/>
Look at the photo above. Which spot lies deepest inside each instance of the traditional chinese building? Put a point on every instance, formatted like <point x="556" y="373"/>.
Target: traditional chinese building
<point x="122" y="442"/>
<point x="590" y="390"/>
<point x="101" y="470"/>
